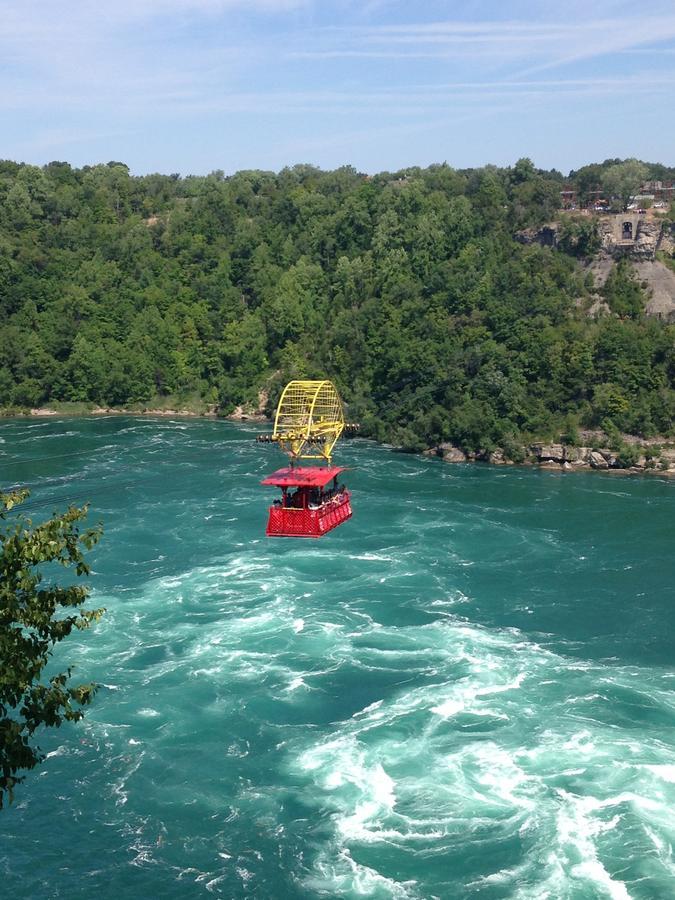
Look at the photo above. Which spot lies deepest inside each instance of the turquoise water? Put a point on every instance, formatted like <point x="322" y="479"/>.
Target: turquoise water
<point x="465" y="691"/>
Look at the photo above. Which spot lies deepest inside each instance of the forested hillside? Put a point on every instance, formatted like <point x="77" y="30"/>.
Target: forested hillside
<point x="407" y="289"/>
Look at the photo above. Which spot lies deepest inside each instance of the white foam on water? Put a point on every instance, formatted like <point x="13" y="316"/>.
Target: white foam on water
<point x="372" y="557"/>
<point x="577" y="831"/>
<point x="664" y="771"/>
<point x="664" y="850"/>
<point x="344" y="764"/>
<point x="60" y="751"/>
<point x="449" y="708"/>
<point x="409" y="770"/>
<point x="343" y="876"/>
<point x="465" y="699"/>
<point x="214" y="882"/>
<point x="503" y="779"/>
<point x="120" y="791"/>
<point x="501" y="741"/>
<point x="453" y="600"/>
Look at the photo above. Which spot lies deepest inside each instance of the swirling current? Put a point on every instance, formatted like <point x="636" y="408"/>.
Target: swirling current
<point x="464" y="691"/>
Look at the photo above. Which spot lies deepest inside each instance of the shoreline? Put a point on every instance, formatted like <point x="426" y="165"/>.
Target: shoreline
<point x="551" y="457"/>
<point x="160" y="412"/>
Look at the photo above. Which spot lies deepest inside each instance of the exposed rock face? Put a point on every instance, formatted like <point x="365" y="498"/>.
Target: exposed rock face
<point x="600" y="267"/>
<point x="451" y="453"/>
<point x="549" y="452"/>
<point x="546" y="236"/>
<point x="497" y="458"/>
<point x="667" y="242"/>
<point x="647" y="241"/>
<point x="598" y="461"/>
<point x="630" y="234"/>
<point x="566" y="458"/>
<point x="658" y="278"/>
<point x="562" y="454"/>
<point x="660" y="282"/>
<point x="577" y="457"/>
<point x="624" y="234"/>
<point x="636" y="236"/>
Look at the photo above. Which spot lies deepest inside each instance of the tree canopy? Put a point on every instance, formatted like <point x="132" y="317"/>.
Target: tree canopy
<point x="407" y="289"/>
<point x="624" y="181"/>
<point x="35" y="615"/>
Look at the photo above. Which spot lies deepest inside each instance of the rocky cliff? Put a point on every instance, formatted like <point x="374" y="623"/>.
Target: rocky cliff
<point x="638" y="237"/>
<point x="635" y="456"/>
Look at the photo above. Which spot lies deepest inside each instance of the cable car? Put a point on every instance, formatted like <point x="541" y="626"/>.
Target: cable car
<point x="312" y="502"/>
<point x="307" y="425"/>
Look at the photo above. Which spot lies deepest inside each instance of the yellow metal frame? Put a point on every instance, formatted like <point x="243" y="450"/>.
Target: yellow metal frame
<point x="309" y="420"/>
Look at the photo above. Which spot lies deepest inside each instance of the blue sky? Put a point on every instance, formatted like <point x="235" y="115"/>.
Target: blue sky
<point x="191" y="86"/>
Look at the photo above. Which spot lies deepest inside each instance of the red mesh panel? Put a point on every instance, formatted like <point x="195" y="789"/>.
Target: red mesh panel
<point x="308" y="522"/>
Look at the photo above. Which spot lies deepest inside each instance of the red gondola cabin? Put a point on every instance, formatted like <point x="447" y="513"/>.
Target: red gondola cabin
<point x="312" y="502"/>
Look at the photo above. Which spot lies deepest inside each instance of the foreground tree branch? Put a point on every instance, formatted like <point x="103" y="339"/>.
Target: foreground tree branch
<point x="34" y="616"/>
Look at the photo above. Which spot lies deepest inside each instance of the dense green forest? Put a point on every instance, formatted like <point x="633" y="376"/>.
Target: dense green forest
<point x="407" y="289"/>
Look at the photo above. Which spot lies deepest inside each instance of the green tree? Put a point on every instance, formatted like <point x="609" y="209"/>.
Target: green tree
<point x="624" y="181"/>
<point x="587" y="180"/>
<point x="120" y="289"/>
<point x="35" y="615"/>
<point x="623" y="292"/>
<point x="579" y="236"/>
<point x="523" y="171"/>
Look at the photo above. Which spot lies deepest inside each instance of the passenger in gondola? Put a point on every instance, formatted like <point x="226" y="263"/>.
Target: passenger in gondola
<point x="315" y="498"/>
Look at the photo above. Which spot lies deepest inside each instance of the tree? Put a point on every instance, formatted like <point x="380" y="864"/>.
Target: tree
<point x="118" y="289"/>
<point x="579" y="236"/>
<point x="587" y="180"/>
<point x="523" y="171"/>
<point x="32" y="622"/>
<point x="623" y="292"/>
<point x="624" y="181"/>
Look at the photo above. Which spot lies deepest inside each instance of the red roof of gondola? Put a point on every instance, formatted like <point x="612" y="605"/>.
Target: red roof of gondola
<point x="310" y="476"/>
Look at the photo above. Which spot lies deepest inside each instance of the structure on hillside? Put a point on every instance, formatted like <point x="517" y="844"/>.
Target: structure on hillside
<point x="597" y="201"/>
<point x="631" y="234"/>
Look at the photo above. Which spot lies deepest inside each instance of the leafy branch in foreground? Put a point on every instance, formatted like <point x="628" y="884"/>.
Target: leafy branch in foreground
<point x="34" y="616"/>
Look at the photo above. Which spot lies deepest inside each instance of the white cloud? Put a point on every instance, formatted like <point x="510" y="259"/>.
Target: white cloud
<point x="200" y="64"/>
<point x="544" y="44"/>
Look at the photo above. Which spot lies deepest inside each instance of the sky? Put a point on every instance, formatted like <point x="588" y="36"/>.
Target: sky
<point x="192" y="86"/>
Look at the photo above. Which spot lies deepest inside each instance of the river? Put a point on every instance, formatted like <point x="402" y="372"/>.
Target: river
<point x="466" y="690"/>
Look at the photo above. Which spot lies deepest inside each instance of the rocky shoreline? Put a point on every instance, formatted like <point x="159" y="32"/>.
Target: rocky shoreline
<point x="239" y="414"/>
<point x="636" y="456"/>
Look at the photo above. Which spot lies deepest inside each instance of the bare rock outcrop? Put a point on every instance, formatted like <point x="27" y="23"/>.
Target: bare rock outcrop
<point x="647" y="240"/>
<point x="600" y="267"/>
<point x="450" y="453"/>
<point x="549" y="452"/>
<point x="567" y="458"/>
<point x="547" y="236"/>
<point x="667" y="242"/>
<point x="598" y="461"/>
<point x="630" y="234"/>
<point x="660" y="281"/>
<point x="498" y="458"/>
